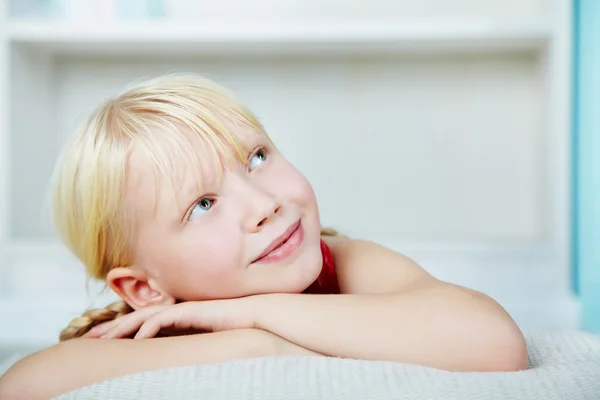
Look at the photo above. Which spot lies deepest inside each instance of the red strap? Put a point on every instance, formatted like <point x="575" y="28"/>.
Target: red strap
<point x="327" y="282"/>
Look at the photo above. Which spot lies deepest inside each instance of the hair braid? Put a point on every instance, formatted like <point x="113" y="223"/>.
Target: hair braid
<point x="81" y="325"/>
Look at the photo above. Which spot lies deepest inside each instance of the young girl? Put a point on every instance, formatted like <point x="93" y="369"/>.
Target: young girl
<point x="174" y="194"/>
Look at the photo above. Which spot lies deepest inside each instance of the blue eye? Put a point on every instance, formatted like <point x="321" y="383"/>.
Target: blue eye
<point x="258" y="158"/>
<point x="201" y="207"/>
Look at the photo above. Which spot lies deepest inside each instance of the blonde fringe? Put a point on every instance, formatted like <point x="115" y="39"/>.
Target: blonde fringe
<point x="81" y="325"/>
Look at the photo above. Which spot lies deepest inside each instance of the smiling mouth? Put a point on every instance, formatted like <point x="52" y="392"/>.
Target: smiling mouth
<point x="283" y="246"/>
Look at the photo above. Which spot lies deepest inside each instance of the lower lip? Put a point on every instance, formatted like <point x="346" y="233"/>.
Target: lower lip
<point x="286" y="249"/>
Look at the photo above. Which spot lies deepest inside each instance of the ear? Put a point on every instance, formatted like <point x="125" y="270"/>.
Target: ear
<point x="135" y="288"/>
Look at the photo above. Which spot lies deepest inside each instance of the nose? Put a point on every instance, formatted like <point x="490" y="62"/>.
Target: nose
<point x="261" y="214"/>
<point x="260" y="207"/>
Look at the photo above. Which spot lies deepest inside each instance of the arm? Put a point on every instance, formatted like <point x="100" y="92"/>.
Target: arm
<point x="86" y="361"/>
<point x="393" y="310"/>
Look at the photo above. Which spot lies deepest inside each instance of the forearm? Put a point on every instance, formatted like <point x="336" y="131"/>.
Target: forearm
<point x="440" y="326"/>
<point x="80" y="362"/>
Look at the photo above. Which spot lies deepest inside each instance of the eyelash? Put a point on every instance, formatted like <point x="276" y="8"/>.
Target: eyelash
<point x="213" y="198"/>
<point x="256" y="150"/>
<point x="188" y="215"/>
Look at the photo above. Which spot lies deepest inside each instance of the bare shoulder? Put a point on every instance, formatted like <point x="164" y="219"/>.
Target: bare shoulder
<point x="367" y="267"/>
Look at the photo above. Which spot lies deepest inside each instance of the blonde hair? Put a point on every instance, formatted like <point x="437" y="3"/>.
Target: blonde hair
<point x="90" y="176"/>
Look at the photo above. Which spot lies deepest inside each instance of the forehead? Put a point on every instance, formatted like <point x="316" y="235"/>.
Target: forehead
<point x="164" y="171"/>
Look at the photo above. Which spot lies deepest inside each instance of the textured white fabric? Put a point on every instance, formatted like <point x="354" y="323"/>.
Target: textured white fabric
<point x="563" y="365"/>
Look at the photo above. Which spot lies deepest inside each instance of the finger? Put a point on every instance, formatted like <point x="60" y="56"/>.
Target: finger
<point x="100" y="330"/>
<point x="125" y="328"/>
<point x="149" y="329"/>
<point x="173" y="317"/>
<point x="90" y="335"/>
<point x="128" y="324"/>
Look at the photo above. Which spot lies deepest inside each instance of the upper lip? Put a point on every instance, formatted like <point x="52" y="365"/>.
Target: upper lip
<point x="278" y="240"/>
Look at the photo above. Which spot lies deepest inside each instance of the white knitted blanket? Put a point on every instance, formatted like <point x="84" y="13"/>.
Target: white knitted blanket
<point x="562" y="365"/>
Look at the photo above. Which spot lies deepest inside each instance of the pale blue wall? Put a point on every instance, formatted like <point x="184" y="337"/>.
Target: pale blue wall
<point x="587" y="159"/>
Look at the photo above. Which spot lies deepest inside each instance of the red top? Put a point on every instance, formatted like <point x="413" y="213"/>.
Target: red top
<point x="327" y="282"/>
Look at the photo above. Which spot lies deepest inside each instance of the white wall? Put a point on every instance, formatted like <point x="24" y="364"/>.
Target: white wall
<point x="407" y="149"/>
<point x="459" y="159"/>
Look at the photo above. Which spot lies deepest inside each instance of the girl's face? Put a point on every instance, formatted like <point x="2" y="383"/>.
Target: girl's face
<point x="255" y="230"/>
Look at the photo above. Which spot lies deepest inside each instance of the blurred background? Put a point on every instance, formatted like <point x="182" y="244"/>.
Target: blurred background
<point x="458" y="132"/>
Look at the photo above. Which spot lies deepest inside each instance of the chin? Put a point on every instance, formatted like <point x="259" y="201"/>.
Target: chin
<point x="298" y="272"/>
<point x="310" y="268"/>
<point x="296" y="276"/>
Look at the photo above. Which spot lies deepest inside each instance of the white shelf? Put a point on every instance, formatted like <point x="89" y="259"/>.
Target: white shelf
<point x="293" y="36"/>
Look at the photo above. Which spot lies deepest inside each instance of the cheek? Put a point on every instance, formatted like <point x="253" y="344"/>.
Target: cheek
<point x="295" y="188"/>
<point x="293" y="185"/>
<point x="197" y="265"/>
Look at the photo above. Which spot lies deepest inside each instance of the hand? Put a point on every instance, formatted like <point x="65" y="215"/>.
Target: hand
<point x="211" y="316"/>
<point x="127" y="323"/>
